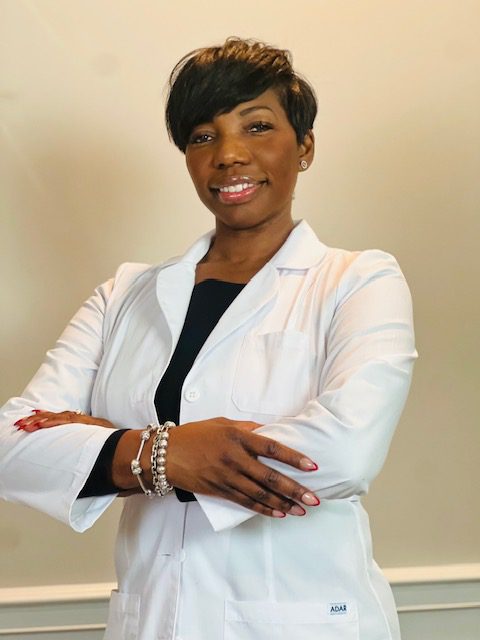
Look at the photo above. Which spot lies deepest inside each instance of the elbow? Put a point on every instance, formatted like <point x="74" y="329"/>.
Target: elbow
<point x="351" y="471"/>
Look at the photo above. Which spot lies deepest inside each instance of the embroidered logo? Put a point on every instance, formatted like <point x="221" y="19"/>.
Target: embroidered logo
<point x="337" y="608"/>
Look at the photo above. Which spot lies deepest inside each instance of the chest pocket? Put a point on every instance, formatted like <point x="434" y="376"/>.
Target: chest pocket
<point x="273" y="373"/>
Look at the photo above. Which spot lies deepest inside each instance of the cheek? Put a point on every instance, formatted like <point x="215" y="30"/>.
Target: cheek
<point x="286" y="173"/>
<point x="196" y="175"/>
<point x="283" y="160"/>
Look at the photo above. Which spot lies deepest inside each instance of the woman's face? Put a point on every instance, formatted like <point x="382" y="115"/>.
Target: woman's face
<point x="244" y="164"/>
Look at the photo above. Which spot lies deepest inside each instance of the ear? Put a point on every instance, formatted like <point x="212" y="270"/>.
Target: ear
<point x="306" y="150"/>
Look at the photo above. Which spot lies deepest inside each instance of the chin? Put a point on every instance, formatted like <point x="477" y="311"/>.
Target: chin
<point x="243" y="220"/>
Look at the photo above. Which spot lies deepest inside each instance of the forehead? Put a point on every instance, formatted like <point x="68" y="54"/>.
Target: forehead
<point x="268" y="101"/>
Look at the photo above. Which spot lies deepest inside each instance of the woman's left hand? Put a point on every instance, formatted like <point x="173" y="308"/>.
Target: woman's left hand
<point x="46" y="419"/>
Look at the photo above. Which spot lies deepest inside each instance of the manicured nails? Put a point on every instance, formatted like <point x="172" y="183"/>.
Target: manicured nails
<point x="310" y="499"/>
<point x="296" y="510"/>
<point x="307" y="465"/>
<point x="278" y="514"/>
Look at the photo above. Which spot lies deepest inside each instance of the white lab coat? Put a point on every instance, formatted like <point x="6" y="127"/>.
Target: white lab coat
<point x="318" y="348"/>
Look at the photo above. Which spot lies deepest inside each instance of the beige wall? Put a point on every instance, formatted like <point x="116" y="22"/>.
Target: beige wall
<point x="89" y="180"/>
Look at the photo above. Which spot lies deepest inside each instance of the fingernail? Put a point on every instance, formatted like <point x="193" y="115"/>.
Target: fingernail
<point x="310" y="499"/>
<point x="308" y="465"/>
<point x="18" y="422"/>
<point x="278" y="514"/>
<point x="297" y="511"/>
<point x="36" y="411"/>
<point x="20" y="428"/>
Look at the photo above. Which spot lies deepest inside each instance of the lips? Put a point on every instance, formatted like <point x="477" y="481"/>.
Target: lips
<point x="237" y="189"/>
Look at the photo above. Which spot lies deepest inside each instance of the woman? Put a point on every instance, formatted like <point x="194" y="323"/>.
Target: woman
<point x="285" y="363"/>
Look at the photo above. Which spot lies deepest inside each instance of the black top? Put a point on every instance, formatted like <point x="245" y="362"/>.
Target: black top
<point x="210" y="299"/>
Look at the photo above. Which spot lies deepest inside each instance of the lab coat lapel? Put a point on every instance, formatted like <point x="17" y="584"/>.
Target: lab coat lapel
<point x="301" y="250"/>
<point x="174" y="289"/>
<point x="176" y="280"/>
<point x="175" y="283"/>
<point x="256" y="297"/>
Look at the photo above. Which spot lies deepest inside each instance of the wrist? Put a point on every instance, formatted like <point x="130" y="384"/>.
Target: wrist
<point x="158" y="460"/>
<point x="127" y="451"/>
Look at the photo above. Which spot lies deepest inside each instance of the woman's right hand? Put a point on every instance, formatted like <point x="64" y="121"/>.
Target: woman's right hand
<point x="219" y="457"/>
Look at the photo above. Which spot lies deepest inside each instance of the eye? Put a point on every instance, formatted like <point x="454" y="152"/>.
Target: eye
<point x="200" y="138"/>
<point x="260" y="127"/>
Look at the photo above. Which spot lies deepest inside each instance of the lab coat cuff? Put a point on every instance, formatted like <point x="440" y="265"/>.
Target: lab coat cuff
<point x="84" y="512"/>
<point x="223" y="514"/>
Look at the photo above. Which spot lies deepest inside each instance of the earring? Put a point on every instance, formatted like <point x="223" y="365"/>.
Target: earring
<point x="303" y="165"/>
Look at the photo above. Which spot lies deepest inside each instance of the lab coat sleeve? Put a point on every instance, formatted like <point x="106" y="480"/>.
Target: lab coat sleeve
<point x="347" y="428"/>
<point x="47" y="469"/>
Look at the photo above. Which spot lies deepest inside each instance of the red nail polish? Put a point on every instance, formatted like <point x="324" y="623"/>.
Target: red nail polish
<point x="18" y="422"/>
<point x="36" y="411"/>
<point x="20" y="428"/>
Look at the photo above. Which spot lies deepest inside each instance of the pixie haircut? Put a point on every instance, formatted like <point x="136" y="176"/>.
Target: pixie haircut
<point x="214" y="80"/>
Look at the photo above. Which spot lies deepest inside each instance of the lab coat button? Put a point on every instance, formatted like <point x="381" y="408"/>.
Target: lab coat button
<point x="191" y="395"/>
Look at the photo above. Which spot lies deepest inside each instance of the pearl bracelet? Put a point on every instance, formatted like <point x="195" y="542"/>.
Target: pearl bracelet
<point x="161" y="485"/>
<point x="135" y="465"/>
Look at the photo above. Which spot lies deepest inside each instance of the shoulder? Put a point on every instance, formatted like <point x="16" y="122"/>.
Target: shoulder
<point x="128" y="279"/>
<point x="304" y="249"/>
<point x="355" y="266"/>
<point x="370" y="282"/>
<point x="344" y="272"/>
<point x="129" y="273"/>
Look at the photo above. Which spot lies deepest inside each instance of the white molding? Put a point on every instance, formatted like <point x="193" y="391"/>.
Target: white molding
<point x="65" y="628"/>
<point x="444" y="606"/>
<point x="433" y="574"/>
<point x="51" y="594"/>
<point x="98" y="591"/>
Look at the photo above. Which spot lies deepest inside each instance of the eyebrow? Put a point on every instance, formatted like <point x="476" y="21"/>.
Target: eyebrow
<point x="248" y="110"/>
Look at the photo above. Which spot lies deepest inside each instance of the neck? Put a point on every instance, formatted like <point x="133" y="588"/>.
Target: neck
<point x="253" y="246"/>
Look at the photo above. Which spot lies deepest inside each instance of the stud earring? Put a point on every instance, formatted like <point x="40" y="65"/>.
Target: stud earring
<point x="303" y="165"/>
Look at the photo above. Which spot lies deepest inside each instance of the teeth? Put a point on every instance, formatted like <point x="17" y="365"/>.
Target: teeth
<point x="236" y="188"/>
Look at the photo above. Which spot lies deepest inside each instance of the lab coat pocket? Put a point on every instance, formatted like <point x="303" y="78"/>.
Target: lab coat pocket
<point x="123" y="616"/>
<point x="287" y="620"/>
<point x="273" y="373"/>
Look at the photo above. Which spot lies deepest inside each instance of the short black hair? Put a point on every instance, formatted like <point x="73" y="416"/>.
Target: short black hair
<point x="214" y="80"/>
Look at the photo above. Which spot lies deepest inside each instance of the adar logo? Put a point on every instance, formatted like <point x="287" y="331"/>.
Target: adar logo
<point x="337" y="608"/>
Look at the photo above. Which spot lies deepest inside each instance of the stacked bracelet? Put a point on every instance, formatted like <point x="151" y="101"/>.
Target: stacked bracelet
<point x="135" y="465"/>
<point x="161" y="485"/>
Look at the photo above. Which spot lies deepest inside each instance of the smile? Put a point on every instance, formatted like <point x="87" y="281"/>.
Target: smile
<point x="239" y="193"/>
<point x="237" y="188"/>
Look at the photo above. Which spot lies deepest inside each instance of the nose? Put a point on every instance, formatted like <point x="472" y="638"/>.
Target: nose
<point x="229" y="151"/>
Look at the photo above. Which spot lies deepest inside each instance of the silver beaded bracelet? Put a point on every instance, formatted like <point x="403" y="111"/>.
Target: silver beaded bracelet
<point x="135" y="465"/>
<point x="161" y="485"/>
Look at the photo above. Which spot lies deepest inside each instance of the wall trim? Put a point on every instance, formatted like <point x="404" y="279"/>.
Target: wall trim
<point x="65" y="628"/>
<point x="99" y="591"/>
<point x="433" y="574"/>
<point x="51" y="594"/>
